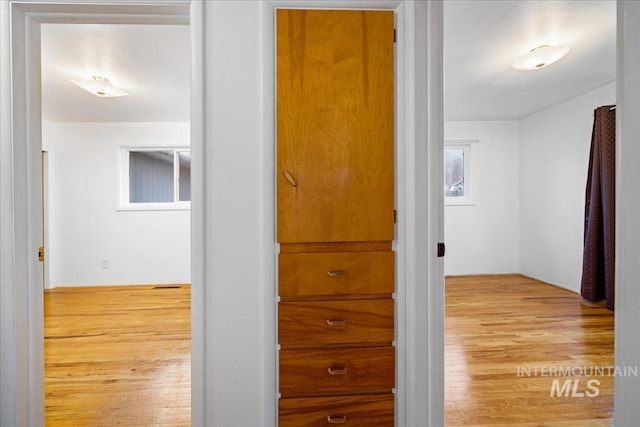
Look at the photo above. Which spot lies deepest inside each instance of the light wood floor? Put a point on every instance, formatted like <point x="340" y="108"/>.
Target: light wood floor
<point x="120" y="355"/>
<point x="496" y="325"/>
<point x="117" y="356"/>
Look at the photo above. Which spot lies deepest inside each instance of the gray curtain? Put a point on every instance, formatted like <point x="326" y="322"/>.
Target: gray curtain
<point x="598" y="265"/>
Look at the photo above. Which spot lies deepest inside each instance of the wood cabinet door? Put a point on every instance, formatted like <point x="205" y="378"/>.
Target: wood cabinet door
<point x="335" y="125"/>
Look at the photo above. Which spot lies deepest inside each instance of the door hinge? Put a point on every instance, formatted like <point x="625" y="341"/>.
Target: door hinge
<point x="41" y="253"/>
<point x="395" y="216"/>
<point x="440" y="249"/>
<point x="394" y="35"/>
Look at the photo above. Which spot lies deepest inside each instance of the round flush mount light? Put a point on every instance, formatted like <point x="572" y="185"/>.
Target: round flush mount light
<point x="540" y="57"/>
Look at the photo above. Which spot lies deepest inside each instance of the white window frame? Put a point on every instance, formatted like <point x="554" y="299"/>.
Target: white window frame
<point x="125" y="205"/>
<point x="465" y="145"/>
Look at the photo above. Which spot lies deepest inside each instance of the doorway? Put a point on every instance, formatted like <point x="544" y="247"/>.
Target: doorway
<point x="26" y="29"/>
<point x="119" y="246"/>
<point x="525" y="135"/>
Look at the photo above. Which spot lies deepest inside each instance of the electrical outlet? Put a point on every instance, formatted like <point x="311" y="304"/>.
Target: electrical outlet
<point x="105" y="264"/>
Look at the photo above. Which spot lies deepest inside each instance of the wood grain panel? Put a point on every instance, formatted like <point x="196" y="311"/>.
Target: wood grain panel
<point x="314" y="323"/>
<point x="336" y="273"/>
<point x="367" y="410"/>
<point x="305" y="373"/>
<point x="335" y="247"/>
<point x="335" y="125"/>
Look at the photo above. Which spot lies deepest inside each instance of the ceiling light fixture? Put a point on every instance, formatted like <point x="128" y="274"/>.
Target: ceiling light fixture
<point x="540" y="57"/>
<point x="100" y="86"/>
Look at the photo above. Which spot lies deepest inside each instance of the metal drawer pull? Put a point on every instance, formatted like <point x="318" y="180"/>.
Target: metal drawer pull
<point x="337" y="371"/>
<point x="336" y="420"/>
<point x="290" y="178"/>
<point x="336" y="273"/>
<point x="340" y="322"/>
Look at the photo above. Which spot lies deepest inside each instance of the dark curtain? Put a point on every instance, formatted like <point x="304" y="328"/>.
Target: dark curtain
<point x="599" y="217"/>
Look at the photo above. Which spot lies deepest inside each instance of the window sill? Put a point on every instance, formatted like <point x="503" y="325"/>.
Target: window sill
<point x="458" y="202"/>
<point x="154" y="207"/>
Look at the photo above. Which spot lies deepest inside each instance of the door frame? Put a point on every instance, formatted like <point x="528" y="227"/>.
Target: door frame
<point x="46" y="191"/>
<point x="626" y="410"/>
<point x="420" y="202"/>
<point x="21" y="273"/>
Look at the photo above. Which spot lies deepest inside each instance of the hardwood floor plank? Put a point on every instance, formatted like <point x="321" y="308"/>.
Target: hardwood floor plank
<point x="496" y="327"/>
<point x="118" y="355"/>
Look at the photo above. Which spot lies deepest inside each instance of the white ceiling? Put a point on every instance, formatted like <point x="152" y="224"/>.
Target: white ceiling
<point x="482" y="39"/>
<point x="151" y="62"/>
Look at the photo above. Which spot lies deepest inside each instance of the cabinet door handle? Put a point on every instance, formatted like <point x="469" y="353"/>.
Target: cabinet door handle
<point x="336" y="273"/>
<point x="336" y="420"/>
<point x="290" y="178"/>
<point x="336" y="322"/>
<point x="337" y="371"/>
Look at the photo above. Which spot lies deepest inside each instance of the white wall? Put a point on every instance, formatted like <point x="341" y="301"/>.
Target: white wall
<point x="238" y="327"/>
<point x="85" y="226"/>
<point x="483" y="238"/>
<point x="554" y="157"/>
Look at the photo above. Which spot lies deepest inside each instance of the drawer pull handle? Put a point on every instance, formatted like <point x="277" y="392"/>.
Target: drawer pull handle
<point x="290" y="178"/>
<point x="336" y="420"/>
<point x="336" y="322"/>
<point x="337" y="371"/>
<point x="336" y="273"/>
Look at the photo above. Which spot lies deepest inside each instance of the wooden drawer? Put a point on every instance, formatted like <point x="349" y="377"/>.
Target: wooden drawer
<point x="360" y="411"/>
<point x="336" y="273"/>
<point x="340" y="371"/>
<point x="312" y="323"/>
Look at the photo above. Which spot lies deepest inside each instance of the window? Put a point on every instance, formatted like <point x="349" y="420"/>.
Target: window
<point x="156" y="178"/>
<point x="457" y="176"/>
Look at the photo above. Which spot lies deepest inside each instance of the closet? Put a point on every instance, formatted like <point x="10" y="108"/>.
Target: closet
<point x="335" y="216"/>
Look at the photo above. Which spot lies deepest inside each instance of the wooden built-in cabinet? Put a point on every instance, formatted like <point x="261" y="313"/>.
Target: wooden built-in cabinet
<point x="335" y="126"/>
<point x="335" y="217"/>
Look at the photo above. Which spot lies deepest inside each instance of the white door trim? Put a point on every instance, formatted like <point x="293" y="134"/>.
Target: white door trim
<point x="21" y="327"/>
<point x="419" y="136"/>
<point x="627" y="336"/>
